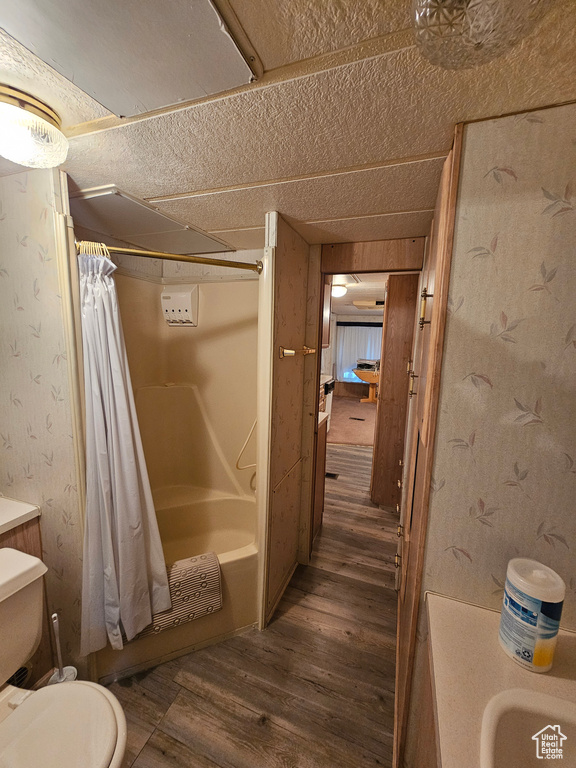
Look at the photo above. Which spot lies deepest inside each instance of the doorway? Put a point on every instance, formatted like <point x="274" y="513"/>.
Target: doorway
<point x="365" y="363"/>
<point x="352" y="358"/>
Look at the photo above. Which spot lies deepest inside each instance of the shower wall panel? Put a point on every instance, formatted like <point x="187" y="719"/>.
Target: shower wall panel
<point x="218" y="357"/>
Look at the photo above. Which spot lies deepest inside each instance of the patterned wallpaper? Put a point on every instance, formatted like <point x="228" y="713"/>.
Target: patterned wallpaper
<point x="36" y="448"/>
<point x="504" y="480"/>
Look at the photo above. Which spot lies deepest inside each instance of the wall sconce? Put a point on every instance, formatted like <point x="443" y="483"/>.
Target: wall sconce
<point x="30" y="131"/>
<point x="338" y="291"/>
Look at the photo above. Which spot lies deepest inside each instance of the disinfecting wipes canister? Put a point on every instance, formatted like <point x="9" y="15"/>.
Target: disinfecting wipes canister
<point x="531" y="610"/>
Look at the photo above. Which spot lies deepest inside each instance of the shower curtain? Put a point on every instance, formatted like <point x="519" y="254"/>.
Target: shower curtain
<point x="124" y="574"/>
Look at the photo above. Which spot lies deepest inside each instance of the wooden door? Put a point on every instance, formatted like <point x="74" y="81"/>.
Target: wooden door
<point x="422" y="424"/>
<point x="397" y="339"/>
<point x="289" y="276"/>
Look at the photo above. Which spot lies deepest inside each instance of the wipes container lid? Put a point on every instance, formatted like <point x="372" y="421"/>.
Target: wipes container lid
<point x="536" y="580"/>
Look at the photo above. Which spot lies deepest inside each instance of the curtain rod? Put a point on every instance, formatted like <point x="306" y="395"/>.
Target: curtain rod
<point x="256" y="267"/>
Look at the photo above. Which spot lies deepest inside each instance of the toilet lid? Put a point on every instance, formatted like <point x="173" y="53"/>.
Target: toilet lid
<point x="61" y="726"/>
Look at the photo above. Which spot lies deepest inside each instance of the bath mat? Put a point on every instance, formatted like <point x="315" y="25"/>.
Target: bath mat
<point x="195" y="589"/>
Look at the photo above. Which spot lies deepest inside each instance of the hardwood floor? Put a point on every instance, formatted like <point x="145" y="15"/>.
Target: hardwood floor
<point x="316" y="688"/>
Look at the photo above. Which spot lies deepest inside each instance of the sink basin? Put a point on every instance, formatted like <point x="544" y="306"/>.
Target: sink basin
<point x="520" y="728"/>
<point x="370" y="377"/>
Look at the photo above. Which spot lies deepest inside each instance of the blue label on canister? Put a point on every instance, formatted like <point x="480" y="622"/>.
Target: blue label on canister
<point x="528" y="627"/>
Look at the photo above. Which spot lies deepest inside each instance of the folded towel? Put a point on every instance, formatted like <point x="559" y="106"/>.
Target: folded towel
<point x="195" y="589"/>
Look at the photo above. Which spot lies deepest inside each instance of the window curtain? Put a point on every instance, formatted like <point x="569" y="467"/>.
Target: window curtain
<point x="355" y="342"/>
<point x="124" y="574"/>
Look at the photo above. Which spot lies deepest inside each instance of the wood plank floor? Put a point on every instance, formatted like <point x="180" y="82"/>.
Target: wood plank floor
<point x="316" y="689"/>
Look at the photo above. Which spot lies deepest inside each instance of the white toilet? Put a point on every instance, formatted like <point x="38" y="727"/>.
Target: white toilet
<point x="67" y="725"/>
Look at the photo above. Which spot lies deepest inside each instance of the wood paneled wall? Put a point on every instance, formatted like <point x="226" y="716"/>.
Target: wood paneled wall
<point x="376" y="256"/>
<point x="352" y="389"/>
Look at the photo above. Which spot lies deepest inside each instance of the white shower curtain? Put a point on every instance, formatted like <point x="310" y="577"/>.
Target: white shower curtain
<point x="124" y="574"/>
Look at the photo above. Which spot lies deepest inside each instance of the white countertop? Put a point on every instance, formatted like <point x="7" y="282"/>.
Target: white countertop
<point x="14" y="513"/>
<point x="322" y="416"/>
<point x="469" y="667"/>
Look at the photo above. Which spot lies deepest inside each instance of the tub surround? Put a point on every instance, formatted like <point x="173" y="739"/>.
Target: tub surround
<point x="223" y="407"/>
<point x="469" y="668"/>
<point x="193" y="423"/>
<point x="193" y="521"/>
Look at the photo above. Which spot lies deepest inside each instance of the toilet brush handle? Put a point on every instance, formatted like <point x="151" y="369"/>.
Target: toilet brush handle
<point x="56" y="628"/>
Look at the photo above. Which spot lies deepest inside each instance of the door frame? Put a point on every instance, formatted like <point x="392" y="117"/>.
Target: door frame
<point x="421" y="432"/>
<point x="385" y="256"/>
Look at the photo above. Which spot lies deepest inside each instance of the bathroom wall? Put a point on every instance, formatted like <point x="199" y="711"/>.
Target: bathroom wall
<point x="218" y="356"/>
<point x="37" y="462"/>
<point x="505" y="458"/>
<point x="504" y="477"/>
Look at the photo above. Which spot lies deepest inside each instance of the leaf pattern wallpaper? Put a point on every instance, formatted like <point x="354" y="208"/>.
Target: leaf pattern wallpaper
<point x="505" y="473"/>
<point x="36" y="444"/>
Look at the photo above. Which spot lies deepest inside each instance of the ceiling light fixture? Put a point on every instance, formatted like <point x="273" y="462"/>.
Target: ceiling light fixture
<point x="30" y="131"/>
<point x="459" y="34"/>
<point x="338" y="291"/>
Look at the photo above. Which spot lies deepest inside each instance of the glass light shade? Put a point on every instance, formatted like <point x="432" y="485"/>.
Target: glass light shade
<point x="29" y="140"/>
<point x="338" y="291"/>
<point x="459" y="34"/>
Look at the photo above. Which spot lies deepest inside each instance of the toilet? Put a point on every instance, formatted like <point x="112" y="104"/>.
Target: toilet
<point x="67" y="725"/>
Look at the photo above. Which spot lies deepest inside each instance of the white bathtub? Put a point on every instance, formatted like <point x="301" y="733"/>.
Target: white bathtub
<point x="193" y="521"/>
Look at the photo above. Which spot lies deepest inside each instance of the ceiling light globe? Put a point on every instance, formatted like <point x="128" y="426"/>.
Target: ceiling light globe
<point x="338" y="291"/>
<point x="459" y="34"/>
<point x="29" y="140"/>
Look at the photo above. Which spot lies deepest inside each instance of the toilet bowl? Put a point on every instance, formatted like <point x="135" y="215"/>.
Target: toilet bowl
<point x="68" y="725"/>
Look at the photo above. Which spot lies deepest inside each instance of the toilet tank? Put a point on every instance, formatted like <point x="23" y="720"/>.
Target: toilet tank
<point x="21" y="608"/>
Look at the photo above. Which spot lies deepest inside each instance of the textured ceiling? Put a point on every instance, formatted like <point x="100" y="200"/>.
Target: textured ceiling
<point x="344" y="134"/>
<point x="284" y="32"/>
<point x="365" y="287"/>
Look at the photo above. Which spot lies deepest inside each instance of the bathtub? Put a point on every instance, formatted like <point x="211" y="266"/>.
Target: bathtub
<point x="193" y="521"/>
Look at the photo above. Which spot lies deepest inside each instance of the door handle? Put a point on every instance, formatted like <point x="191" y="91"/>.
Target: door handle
<point x="283" y="352"/>
<point x="423" y="296"/>
<point x="413" y="376"/>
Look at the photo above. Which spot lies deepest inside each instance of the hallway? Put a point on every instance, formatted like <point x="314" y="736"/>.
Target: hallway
<point x="316" y="689"/>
